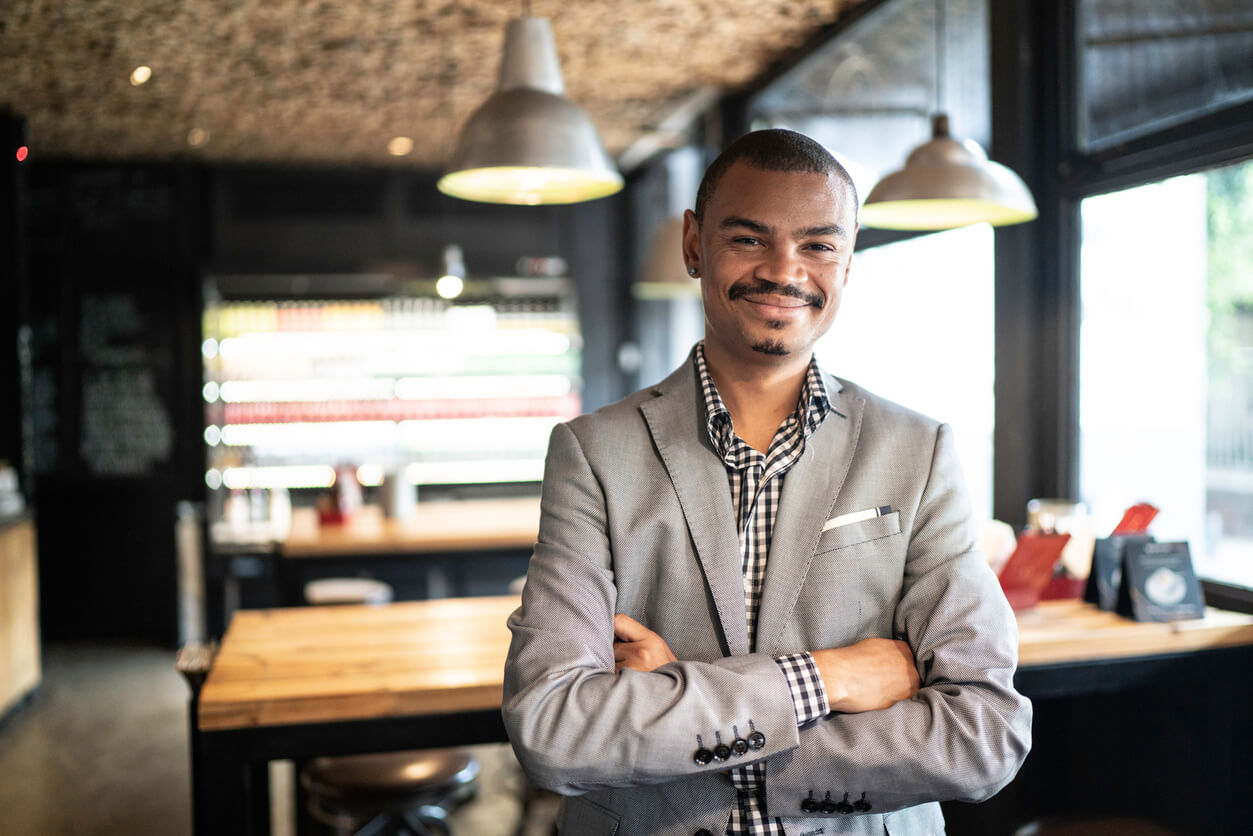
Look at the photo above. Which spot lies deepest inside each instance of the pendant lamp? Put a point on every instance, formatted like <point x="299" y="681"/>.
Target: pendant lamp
<point x="946" y="183"/>
<point x="528" y="144"/>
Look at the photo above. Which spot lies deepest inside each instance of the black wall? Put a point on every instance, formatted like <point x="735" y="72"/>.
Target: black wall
<point x="12" y="287"/>
<point x="117" y="258"/>
<point x="114" y="339"/>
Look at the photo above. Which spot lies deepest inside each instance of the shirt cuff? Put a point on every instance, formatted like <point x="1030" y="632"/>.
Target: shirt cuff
<point x="809" y="698"/>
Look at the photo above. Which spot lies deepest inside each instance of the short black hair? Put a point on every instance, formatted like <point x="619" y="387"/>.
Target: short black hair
<point x="775" y="149"/>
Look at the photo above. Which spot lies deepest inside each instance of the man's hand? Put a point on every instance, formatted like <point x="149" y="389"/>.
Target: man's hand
<point x="636" y="647"/>
<point x="867" y="676"/>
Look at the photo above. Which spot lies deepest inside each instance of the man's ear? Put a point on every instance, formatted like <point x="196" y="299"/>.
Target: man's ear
<point x="691" y="244"/>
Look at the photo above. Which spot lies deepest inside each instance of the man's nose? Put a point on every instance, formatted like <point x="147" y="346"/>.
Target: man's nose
<point x="781" y="265"/>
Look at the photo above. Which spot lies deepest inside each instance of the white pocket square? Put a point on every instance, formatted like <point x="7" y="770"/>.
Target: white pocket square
<point x="857" y="516"/>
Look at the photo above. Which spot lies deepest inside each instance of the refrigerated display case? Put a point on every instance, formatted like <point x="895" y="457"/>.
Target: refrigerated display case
<point x="410" y="388"/>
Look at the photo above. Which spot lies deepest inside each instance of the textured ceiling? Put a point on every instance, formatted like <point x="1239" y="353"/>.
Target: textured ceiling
<point x="332" y="81"/>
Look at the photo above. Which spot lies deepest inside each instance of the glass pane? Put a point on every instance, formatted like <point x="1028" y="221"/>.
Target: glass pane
<point x="916" y="326"/>
<point x="1146" y="64"/>
<point x="1166" y="384"/>
<point x="868" y="95"/>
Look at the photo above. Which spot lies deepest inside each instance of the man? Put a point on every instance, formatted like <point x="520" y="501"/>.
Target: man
<point x="755" y="606"/>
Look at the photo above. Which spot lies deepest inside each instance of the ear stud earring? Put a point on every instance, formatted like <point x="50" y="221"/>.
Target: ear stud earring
<point x="691" y="271"/>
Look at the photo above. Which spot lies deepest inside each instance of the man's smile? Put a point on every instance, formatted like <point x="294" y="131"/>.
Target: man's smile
<point x="768" y="295"/>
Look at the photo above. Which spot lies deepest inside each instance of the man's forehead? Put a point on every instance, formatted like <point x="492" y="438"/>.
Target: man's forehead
<point x="745" y="187"/>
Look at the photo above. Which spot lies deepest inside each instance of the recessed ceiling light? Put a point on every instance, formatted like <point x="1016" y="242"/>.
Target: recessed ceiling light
<point x="140" y="74"/>
<point x="197" y="137"/>
<point x="400" y="146"/>
<point x="449" y="287"/>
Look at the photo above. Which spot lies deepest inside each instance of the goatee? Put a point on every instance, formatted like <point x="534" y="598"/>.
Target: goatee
<point x="772" y="347"/>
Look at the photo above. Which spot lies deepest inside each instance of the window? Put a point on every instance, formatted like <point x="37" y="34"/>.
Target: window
<point x="1166" y="348"/>
<point x="1146" y="64"/>
<point x="916" y="326"/>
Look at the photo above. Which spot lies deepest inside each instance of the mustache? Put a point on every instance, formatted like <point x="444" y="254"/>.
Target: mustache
<point x="760" y="286"/>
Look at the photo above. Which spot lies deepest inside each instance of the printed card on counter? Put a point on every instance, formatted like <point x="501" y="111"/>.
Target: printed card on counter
<point x="1159" y="584"/>
<point x="1106" y="576"/>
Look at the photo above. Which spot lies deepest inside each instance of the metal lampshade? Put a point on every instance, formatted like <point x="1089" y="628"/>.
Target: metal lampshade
<point x="947" y="184"/>
<point x="527" y="144"/>
<point x="664" y="274"/>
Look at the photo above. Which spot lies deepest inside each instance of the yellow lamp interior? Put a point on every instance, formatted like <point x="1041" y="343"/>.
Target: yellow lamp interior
<point x="529" y="185"/>
<point x="941" y="214"/>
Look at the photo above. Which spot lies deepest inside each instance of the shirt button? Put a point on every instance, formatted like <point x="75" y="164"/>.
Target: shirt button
<point x="756" y="740"/>
<point x="703" y="757"/>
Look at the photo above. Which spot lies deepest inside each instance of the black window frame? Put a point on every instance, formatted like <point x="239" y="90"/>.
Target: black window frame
<point x="1035" y="97"/>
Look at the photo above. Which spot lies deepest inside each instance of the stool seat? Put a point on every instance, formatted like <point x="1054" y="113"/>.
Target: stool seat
<point x="391" y="781"/>
<point x="347" y="591"/>
<point x="1092" y="827"/>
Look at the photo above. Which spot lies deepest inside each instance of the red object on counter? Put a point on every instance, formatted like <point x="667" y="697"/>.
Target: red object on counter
<point x="1029" y="570"/>
<point x="1063" y="586"/>
<point x="1136" y="519"/>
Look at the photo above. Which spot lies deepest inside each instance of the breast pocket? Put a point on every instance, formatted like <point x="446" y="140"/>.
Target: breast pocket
<point x="846" y="536"/>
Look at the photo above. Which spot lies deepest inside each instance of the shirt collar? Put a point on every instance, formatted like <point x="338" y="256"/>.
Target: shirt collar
<point x="812" y="408"/>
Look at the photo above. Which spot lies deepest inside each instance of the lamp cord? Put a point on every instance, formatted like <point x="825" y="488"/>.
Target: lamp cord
<point x="940" y="36"/>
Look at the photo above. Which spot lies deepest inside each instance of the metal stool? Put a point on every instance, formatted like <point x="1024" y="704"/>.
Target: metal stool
<point x="409" y="793"/>
<point x="347" y="591"/>
<point x="1092" y="827"/>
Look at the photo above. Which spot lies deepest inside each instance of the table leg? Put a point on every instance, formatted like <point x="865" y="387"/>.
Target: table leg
<point x="230" y="795"/>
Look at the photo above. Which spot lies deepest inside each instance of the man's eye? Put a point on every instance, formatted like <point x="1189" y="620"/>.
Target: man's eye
<point x="747" y="239"/>
<point x="825" y="248"/>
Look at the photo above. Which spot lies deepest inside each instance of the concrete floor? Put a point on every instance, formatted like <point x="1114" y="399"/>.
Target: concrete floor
<point x="101" y="750"/>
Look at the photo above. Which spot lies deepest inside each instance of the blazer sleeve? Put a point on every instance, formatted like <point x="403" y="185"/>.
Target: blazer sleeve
<point x="575" y="724"/>
<point x="967" y="731"/>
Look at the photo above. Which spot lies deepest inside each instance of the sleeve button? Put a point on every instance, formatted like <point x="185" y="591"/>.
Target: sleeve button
<point x="739" y="746"/>
<point x="703" y="757"/>
<point x="810" y="806"/>
<point x="721" y="752"/>
<point x="862" y="805"/>
<point x="756" y="740"/>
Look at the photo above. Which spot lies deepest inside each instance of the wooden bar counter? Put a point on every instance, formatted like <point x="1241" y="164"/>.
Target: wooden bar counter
<point x="300" y="682"/>
<point x="20" y="669"/>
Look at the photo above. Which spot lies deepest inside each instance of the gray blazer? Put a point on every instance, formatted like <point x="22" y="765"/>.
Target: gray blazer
<point x="637" y="519"/>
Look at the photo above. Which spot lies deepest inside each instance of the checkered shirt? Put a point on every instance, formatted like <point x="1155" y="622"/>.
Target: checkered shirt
<point x="756" y="481"/>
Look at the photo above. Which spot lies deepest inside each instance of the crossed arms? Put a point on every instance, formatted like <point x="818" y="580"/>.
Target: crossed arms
<point x="938" y="715"/>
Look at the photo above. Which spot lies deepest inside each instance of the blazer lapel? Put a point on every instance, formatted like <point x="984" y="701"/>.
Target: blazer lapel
<point x="676" y="422"/>
<point x="809" y="491"/>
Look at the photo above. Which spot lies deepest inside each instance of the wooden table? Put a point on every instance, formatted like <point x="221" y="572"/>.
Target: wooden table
<point x="324" y="664"/>
<point x="335" y="680"/>
<point x="466" y="525"/>
<point x="447" y="549"/>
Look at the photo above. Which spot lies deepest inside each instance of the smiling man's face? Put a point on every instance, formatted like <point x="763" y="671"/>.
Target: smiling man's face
<point x="773" y="252"/>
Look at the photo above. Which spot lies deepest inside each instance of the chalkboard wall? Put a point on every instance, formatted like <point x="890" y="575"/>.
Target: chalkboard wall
<point x="117" y="255"/>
